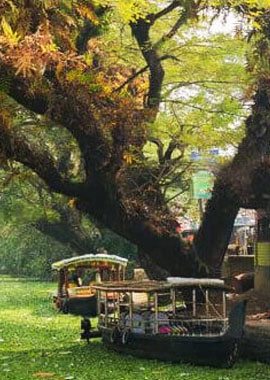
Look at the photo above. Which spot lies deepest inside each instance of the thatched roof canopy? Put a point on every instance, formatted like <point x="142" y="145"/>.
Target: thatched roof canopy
<point x="90" y="261"/>
<point x="155" y="286"/>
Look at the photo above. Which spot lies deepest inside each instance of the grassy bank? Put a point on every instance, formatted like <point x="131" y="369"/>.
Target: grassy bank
<point x="37" y="342"/>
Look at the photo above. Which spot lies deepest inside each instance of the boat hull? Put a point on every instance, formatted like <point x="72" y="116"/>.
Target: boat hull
<point x="220" y="351"/>
<point x="85" y="307"/>
<point x="213" y="350"/>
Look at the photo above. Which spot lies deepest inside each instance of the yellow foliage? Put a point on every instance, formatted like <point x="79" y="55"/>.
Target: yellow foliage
<point x="264" y="3"/>
<point x="12" y="37"/>
<point x="127" y="10"/>
<point x="72" y="203"/>
<point x="251" y="4"/>
<point x="128" y="157"/>
<point x="89" y="13"/>
<point x="48" y="48"/>
<point x="88" y="57"/>
<point x="25" y="65"/>
<point x="256" y="25"/>
<point x="59" y="70"/>
<point x="5" y="118"/>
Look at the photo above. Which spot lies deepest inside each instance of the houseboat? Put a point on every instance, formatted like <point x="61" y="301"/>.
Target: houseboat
<point x="178" y="320"/>
<point x="75" y="294"/>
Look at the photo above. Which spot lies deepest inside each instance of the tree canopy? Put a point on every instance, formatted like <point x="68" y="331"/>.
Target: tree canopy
<point x="76" y="65"/>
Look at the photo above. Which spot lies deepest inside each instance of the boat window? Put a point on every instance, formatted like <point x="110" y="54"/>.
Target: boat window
<point x="89" y="276"/>
<point x="75" y="277"/>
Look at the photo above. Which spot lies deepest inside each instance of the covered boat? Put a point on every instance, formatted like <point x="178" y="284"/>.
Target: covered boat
<point x="76" y="275"/>
<point x="179" y="320"/>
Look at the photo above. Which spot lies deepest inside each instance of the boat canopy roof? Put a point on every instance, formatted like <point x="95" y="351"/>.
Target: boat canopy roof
<point x="155" y="286"/>
<point x="90" y="261"/>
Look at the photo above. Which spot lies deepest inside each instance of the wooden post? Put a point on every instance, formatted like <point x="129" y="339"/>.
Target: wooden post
<point x="118" y="305"/>
<point x="66" y="281"/>
<point x="156" y="312"/>
<point x="207" y="302"/>
<point x="61" y="282"/>
<point x="224" y="304"/>
<point x="106" y="309"/>
<point x="98" y="304"/>
<point x="114" y="306"/>
<point x="98" y="276"/>
<point x="118" y="273"/>
<point x="194" y="303"/>
<point x="173" y="300"/>
<point x="148" y="300"/>
<point x="131" y="309"/>
<point x="100" y="317"/>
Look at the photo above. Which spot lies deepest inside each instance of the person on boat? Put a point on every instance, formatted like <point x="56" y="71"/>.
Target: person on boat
<point x="76" y="278"/>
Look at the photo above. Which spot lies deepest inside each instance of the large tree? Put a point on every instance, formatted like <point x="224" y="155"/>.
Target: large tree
<point x="53" y="63"/>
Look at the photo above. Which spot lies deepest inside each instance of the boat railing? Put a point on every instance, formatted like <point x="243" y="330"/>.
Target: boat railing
<point x="183" y="327"/>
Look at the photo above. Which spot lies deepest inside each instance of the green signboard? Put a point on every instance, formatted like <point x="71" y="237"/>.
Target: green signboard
<point x="202" y="182"/>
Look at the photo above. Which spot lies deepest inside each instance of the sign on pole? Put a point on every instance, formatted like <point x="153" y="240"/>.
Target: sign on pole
<point x="202" y="182"/>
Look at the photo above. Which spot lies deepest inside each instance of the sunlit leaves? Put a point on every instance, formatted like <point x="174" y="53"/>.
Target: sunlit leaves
<point x="89" y="14"/>
<point x="127" y="10"/>
<point x="202" y="92"/>
<point x="253" y="5"/>
<point x="10" y="37"/>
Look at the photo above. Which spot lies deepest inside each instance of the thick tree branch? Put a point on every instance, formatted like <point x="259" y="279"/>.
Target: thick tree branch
<point x="213" y="237"/>
<point x="16" y="148"/>
<point x="130" y="79"/>
<point x="141" y="30"/>
<point x="89" y="30"/>
<point x="143" y="70"/>
<point x="160" y="147"/>
<point x="173" y="101"/>
<point x="171" y="148"/>
<point x="153" y="237"/>
<point x="175" y="4"/>
<point x="66" y="106"/>
<point x="180" y="22"/>
<point x="19" y="90"/>
<point x="243" y="182"/>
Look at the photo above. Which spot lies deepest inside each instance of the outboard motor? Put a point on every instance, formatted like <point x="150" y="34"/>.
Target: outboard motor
<point x="86" y="328"/>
